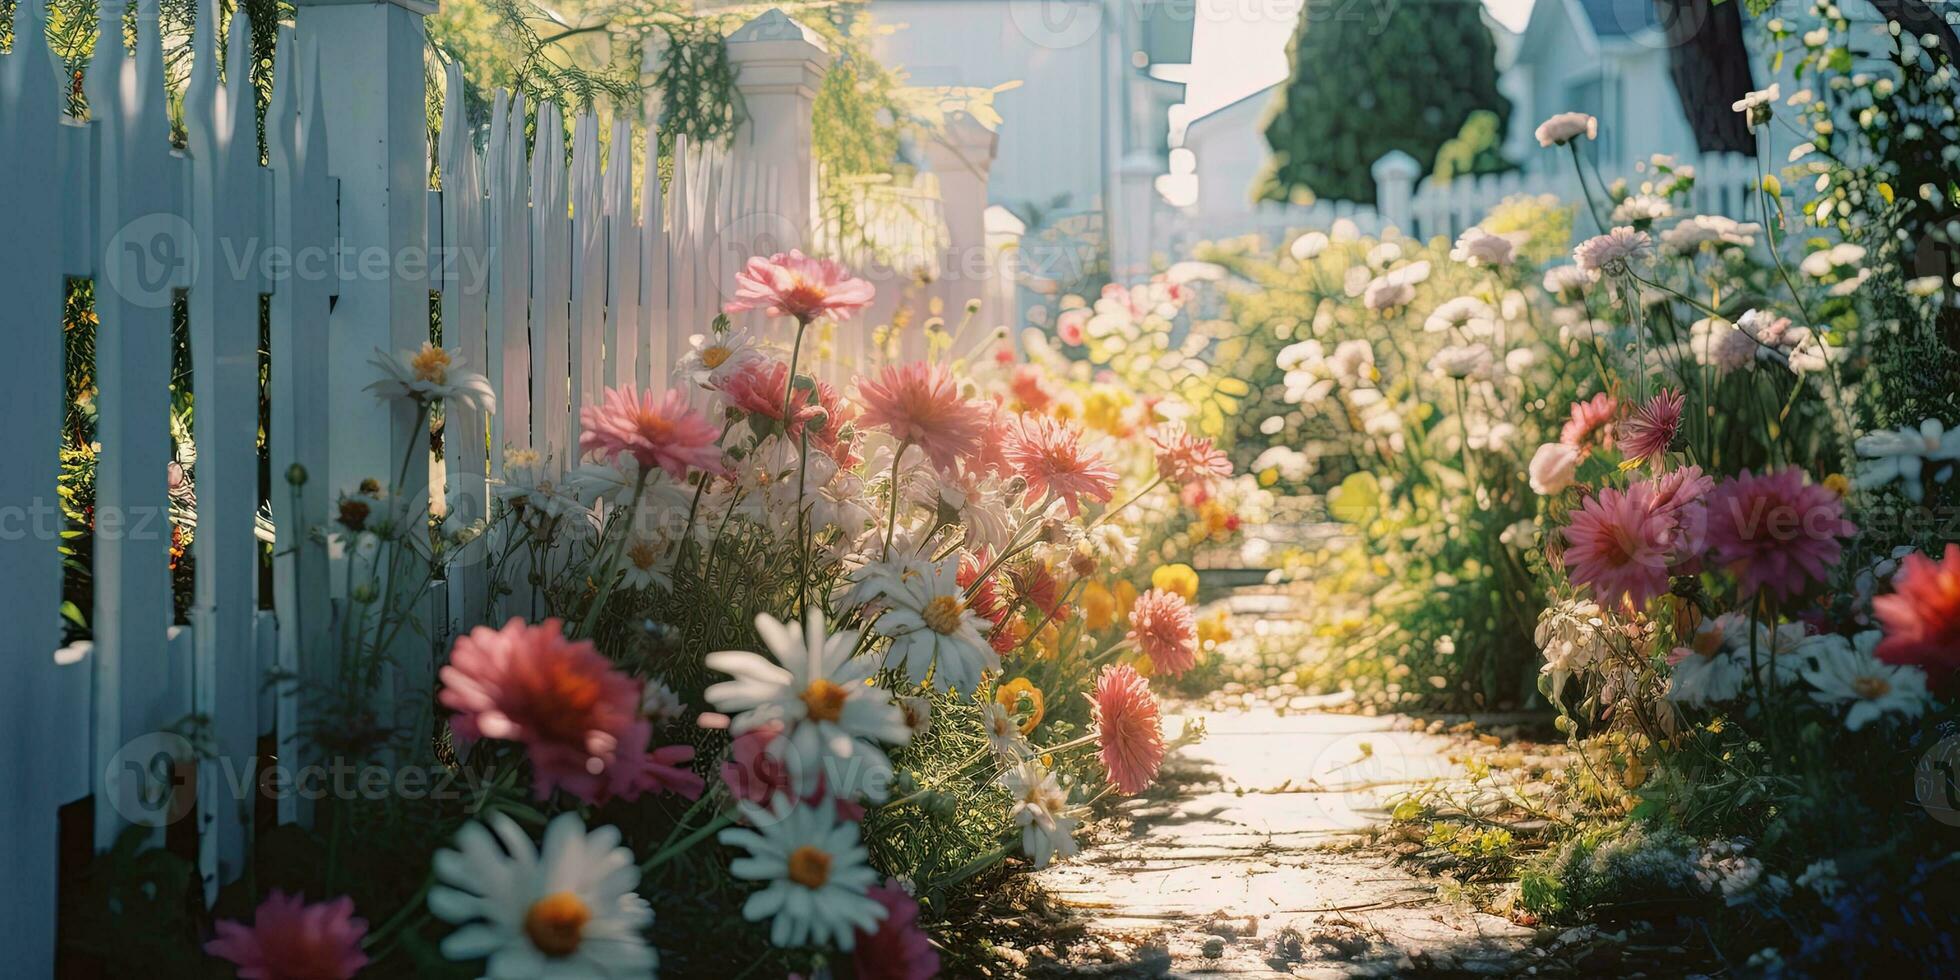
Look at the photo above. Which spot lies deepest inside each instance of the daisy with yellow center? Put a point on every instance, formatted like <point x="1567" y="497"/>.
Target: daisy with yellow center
<point x="431" y="374"/>
<point x="934" y="633"/>
<point x="579" y="915"/>
<point x="813" y="870"/>
<point x="833" y="723"/>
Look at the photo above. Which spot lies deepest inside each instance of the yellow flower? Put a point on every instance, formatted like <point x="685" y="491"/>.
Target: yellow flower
<point x="1048" y="642"/>
<point x="1179" y="578"/>
<point x="1838" y="484"/>
<point x="1102" y="408"/>
<point x="1126" y="597"/>
<point x="1016" y="692"/>
<point x="1098" y="606"/>
<point x="1214" y="630"/>
<point x="1217" y="517"/>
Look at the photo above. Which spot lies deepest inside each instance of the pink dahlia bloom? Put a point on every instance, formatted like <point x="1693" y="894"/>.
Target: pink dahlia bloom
<point x="291" y="940"/>
<point x="989" y="454"/>
<point x="919" y="403"/>
<point x="638" y="771"/>
<point x="1645" y="435"/>
<point x="661" y="432"/>
<point x="560" y="698"/>
<point x="1184" y="459"/>
<point x="1164" y="628"/>
<point x="757" y="389"/>
<point x="1681" y="497"/>
<point x="899" y="950"/>
<point x="1921" y="617"/>
<point x="1778" y="531"/>
<point x="1591" y="423"/>
<point x="1620" y="547"/>
<point x="1128" y="725"/>
<point x="796" y="285"/>
<point x="1050" y="456"/>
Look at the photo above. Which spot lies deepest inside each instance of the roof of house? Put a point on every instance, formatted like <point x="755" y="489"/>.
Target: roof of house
<point x="1620" y="18"/>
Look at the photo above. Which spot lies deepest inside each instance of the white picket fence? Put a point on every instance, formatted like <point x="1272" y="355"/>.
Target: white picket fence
<point x="1427" y="208"/>
<point x="551" y="280"/>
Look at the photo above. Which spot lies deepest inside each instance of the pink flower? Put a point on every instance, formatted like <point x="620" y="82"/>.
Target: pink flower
<point x="919" y="403"/>
<point x="1777" y="530"/>
<point x="899" y="950"/>
<point x="1552" y="468"/>
<point x="663" y="432"/>
<point x="1068" y="326"/>
<point x="1129" y="728"/>
<point x="1050" y="456"/>
<point x="1183" y="458"/>
<point x="638" y="771"/>
<point x="755" y="774"/>
<point x="793" y="284"/>
<point x="560" y="698"/>
<point x="1591" y="423"/>
<point x="1620" y="547"/>
<point x="291" y="940"/>
<point x="1647" y="433"/>
<point x="757" y="389"/>
<point x="1163" y="627"/>
<point x="1029" y="389"/>
<point x="1922" y="615"/>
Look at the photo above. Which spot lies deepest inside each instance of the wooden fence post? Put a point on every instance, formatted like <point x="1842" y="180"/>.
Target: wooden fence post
<point x="778" y="65"/>
<point x="30" y="564"/>
<point x="961" y="157"/>
<point x="1395" y="187"/>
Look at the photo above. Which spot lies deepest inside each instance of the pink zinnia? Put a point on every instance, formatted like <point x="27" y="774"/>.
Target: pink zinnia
<point x="1163" y="627"/>
<point x="661" y="432"/>
<point x="1922" y="615"/>
<point x="1647" y="433"/>
<point x="1778" y="531"/>
<point x="1591" y="423"/>
<point x="291" y="940"/>
<point x="899" y="950"/>
<point x="560" y="698"/>
<point x="793" y="284"/>
<point x="1620" y="547"/>
<point x="1184" y="459"/>
<point x="1129" y="728"/>
<point x="919" y="403"/>
<point x="638" y="771"/>
<point x="1050" y="456"/>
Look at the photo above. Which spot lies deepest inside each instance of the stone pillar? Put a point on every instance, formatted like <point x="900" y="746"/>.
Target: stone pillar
<point x="960" y="158"/>
<point x="1003" y="312"/>
<point x="373" y="104"/>
<point x="1395" y="189"/>
<point x="778" y="65"/>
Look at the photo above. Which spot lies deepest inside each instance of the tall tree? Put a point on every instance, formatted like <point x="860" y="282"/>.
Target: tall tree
<point x="1370" y="78"/>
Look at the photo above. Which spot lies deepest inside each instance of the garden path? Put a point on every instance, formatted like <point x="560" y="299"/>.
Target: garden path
<point x="1252" y="863"/>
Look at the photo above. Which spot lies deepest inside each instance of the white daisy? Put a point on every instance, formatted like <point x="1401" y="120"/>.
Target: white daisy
<point x="532" y="483"/>
<point x="816" y="871"/>
<point x="1003" y="733"/>
<point x="1612" y="252"/>
<point x="1459" y="313"/>
<point x="714" y="358"/>
<point x="1901" y="454"/>
<point x="1568" y="278"/>
<point x="833" y="717"/>
<point x="566" y="913"/>
<point x="1462" y="361"/>
<point x="918" y="714"/>
<point x="660" y="704"/>
<point x="431" y="374"/>
<point x="1642" y="207"/>
<point x="933" y="631"/>
<point x="647" y="561"/>
<point x="1479" y="247"/>
<point x="1042" y="811"/>
<point x="1758" y="105"/>
<point x="1845" y="672"/>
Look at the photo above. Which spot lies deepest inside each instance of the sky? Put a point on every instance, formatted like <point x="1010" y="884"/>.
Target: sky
<point x="1239" y="47"/>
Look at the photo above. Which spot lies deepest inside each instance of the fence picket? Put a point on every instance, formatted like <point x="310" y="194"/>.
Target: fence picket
<point x="465" y="312"/>
<point x="34" y="700"/>
<point x="622" y="336"/>
<point x="550" y="290"/>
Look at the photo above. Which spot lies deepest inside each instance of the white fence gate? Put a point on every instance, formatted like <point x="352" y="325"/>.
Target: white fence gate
<point x="549" y="279"/>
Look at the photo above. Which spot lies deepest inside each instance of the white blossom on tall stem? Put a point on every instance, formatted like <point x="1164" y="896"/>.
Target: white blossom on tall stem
<point x="431" y="374"/>
<point x="1041" y="810"/>
<point x="934" y="633"/>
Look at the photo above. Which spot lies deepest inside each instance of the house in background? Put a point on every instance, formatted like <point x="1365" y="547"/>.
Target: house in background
<point x="1605" y="58"/>
<point x="1088" y="122"/>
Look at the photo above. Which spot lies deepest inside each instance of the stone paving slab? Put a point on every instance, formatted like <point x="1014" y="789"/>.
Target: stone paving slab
<point x="1239" y="871"/>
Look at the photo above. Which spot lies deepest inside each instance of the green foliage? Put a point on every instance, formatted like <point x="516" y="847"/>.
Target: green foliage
<point x="1369" y="80"/>
<point x="1477" y="148"/>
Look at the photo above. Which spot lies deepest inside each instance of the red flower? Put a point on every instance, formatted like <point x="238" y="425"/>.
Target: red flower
<point x="899" y="950"/>
<point x="1921" y="617"/>
<point x="291" y="940"/>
